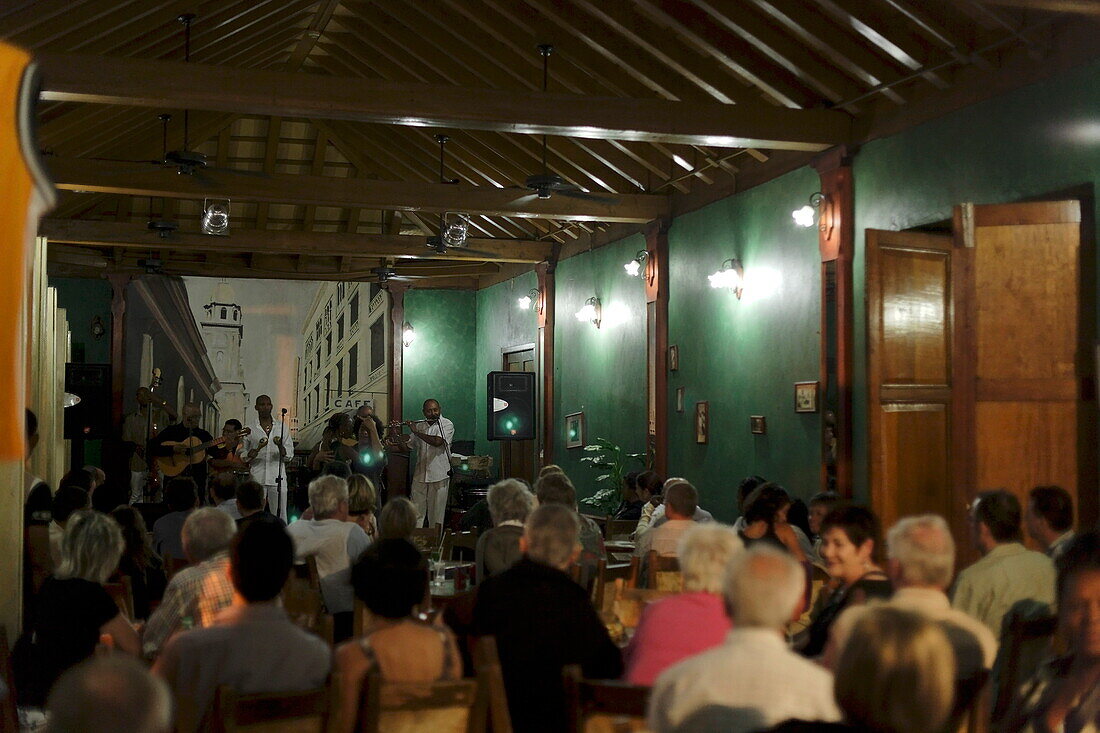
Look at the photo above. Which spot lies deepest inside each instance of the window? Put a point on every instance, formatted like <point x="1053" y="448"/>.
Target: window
<point x="340" y="289"/>
<point x="353" y="365"/>
<point x="235" y="314"/>
<point x="328" y="344"/>
<point x="339" y="329"/>
<point x="340" y="376"/>
<point x="354" y="309"/>
<point x="317" y="400"/>
<point x="377" y="343"/>
<point x="375" y="288"/>
<point x="318" y="364"/>
<point x="223" y="314"/>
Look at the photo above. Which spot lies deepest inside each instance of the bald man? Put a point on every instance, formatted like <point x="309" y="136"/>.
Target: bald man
<point x="176" y="435"/>
<point x="267" y="450"/>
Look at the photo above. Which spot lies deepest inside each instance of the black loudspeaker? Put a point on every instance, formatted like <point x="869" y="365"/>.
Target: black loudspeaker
<point x="511" y="405"/>
<point x="91" y="418"/>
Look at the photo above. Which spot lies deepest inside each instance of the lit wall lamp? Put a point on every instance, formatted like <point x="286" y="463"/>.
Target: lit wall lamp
<point x="634" y="267"/>
<point x="98" y="329"/>
<point x="591" y="311"/>
<point x="408" y="335"/>
<point x="732" y="276"/>
<point x="215" y="217"/>
<point x="525" y="302"/>
<point x="804" y="217"/>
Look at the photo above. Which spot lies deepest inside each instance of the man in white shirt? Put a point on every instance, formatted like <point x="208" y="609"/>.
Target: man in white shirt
<point x="431" y="438"/>
<point x="681" y="503"/>
<point x="267" y="450"/>
<point x="753" y="671"/>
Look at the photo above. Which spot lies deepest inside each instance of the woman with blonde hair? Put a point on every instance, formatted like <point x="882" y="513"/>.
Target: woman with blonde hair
<point x="362" y="503"/>
<point x="72" y="609"/>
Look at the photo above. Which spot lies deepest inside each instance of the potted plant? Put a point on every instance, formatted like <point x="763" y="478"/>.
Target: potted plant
<point x="611" y="461"/>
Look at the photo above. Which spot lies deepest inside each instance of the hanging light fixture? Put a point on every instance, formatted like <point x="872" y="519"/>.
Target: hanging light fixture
<point x="805" y="216"/>
<point x="215" y="217"/>
<point x="591" y="312"/>
<point x="731" y="276"/>
<point x="454" y="228"/>
<point x="526" y="301"/>
<point x="634" y="267"/>
<point x="408" y="335"/>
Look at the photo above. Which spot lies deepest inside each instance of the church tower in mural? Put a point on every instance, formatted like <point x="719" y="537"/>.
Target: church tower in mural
<point x="223" y="330"/>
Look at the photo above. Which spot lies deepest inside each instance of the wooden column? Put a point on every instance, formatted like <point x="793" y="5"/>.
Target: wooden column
<point x="397" y="349"/>
<point x="656" y="296"/>
<point x="118" y="347"/>
<point x="836" y="239"/>
<point x="545" y="271"/>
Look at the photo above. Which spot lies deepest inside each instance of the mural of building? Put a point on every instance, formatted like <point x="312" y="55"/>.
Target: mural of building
<point x="345" y="358"/>
<point x="223" y="330"/>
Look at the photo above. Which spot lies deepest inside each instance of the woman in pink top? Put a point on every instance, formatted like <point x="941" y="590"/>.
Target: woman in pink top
<point x="683" y="625"/>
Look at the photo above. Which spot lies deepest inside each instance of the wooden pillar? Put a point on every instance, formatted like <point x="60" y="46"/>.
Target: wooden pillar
<point x="836" y="240"/>
<point x="118" y="346"/>
<point x="397" y="467"/>
<point x="545" y="271"/>
<point x="656" y="295"/>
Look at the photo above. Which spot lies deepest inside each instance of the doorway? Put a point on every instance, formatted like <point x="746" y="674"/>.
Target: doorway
<point x="517" y="457"/>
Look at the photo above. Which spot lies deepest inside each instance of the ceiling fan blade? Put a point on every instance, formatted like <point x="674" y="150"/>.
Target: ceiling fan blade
<point x="576" y="193"/>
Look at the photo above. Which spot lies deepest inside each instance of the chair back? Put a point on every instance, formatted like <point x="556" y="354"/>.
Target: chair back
<point x="9" y="716"/>
<point x="618" y="529"/>
<point x="494" y="700"/>
<point x="1025" y="643"/>
<point x="465" y="542"/>
<point x="314" y="575"/>
<point x="404" y="707"/>
<point x="629" y="602"/>
<point x="606" y="574"/>
<point x="173" y="565"/>
<point x="601" y="521"/>
<point x="39" y="562"/>
<point x="663" y="572"/>
<point x="427" y="539"/>
<point x="276" y="712"/>
<point x="122" y="593"/>
<point x="601" y="705"/>
<point x="306" y="609"/>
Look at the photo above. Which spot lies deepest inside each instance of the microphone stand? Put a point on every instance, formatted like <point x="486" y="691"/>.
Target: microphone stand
<point x="279" y="477"/>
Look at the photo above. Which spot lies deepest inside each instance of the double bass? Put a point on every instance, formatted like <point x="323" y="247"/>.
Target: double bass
<point x="152" y="480"/>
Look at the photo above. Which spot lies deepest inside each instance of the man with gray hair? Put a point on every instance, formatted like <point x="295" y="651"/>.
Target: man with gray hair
<point x="543" y="621"/>
<point x="198" y="592"/>
<point x="681" y="503"/>
<point x="754" y="674"/>
<point x="510" y="501"/>
<point x="104" y="691"/>
<point x="332" y="540"/>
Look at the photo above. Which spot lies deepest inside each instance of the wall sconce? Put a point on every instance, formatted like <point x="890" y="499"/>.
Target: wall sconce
<point x="98" y="329"/>
<point x="591" y="311"/>
<point x="804" y="217"/>
<point x="732" y="276"/>
<point x="634" y="267"/>
<point x="525" y="302"/>
<point x="408" y="335"/>
<point x="215" y="217"/>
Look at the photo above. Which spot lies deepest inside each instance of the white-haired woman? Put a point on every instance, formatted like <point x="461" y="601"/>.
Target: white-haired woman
<point x="72" y="609"/>
<point x="510" y="501"/>
<point x="675" y="628"/>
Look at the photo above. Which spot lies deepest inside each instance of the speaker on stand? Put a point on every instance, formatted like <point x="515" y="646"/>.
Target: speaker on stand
<point x="511" y="406"/>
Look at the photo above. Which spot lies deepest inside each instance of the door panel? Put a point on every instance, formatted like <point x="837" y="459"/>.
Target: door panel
<point x="913" y="484"/>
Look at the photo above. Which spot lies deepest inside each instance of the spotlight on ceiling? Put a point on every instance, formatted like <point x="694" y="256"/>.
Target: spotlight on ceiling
<point x="215" y="217"/>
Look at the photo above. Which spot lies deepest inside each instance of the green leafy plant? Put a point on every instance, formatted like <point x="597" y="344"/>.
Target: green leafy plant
<point x="611" y="461"/>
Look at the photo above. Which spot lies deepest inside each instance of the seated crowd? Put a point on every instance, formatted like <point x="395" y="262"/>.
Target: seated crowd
<point x="799" y="617"/>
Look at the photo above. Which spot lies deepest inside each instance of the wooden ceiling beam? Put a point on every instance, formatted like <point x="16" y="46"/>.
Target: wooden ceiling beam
<point x="1081" y="7"/>
<point x="316" y="29"/>
<point x="128" y="235"/>
<point x="160" y="84"/>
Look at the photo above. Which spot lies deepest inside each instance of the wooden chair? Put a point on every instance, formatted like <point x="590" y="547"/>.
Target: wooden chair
<point x="277" y="712"/>
<point x="663" y="572"/>
<point x="600" y="520"/>
<point x="970" y="713"/>
<point x="122" y="592"/>
<point x="606" y="574"/>
<point x="465" y="541"/>
<point x="441" y="707"/>
<point x="491" y="685"/>
<point x="619" y="528"/>
<point x="306" y="609"/>
<point x="427" y="539"/>
<point x="629" y="602"/>
<point x="1025" y="642"/>
<point x="9" y="716"/>
<point x="601" y="705"/>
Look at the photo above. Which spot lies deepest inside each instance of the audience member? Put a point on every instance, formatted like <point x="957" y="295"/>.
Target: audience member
<point x="251" y="500"/>
<point x="673" y="629"/>
<point x="80" y="478"/>
<point x="1009" y="577"/>
<point x="73" y="609"/>
<point x="109" y="693"/>
<point x="798" y="516"/>
<point x="745" y="487"/>
<point x="550" y="468"/>
<point x="251" y="646"/>
<point x="98" y="476"/>
<point x="555" y="488"/>
<point x="681" y="500"/>
<point x="1064" y="694"/>
<point x="197" y="593"/>
<point x="851" y="543"/>
<point x="894" y="676"/>
<point x="921" y="563"/>
<point x="649" y="486"/>
<point x="139" y="563"/>
<point x="67" y="500"/>
<point x="333" y="541"/>
<point x="37" y="496"/>
<point x="1049" y="519"/>
<point x="660" y="515"/>
<point x="543" y="621"/>
<point x="181" y="496"/>
<point x="223" y="493"/>
<point x="498" y="549"/>
<point x="391" y="579"/>
<point x="753" y="669"/>
<point x="821" y="504"/>
<point x="630" y="506"/>
<point x="362" y="504"/>
<point x="397" y="520"/>
<point x="765" y="520"/>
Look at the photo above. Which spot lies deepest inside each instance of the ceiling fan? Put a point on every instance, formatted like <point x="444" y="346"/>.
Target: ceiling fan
<point x="454" y="226"/>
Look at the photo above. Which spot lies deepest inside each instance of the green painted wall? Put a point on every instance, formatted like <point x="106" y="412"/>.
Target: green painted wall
<point x="500" y="325"/>
<point x="84" y="299"/>
<point x="1037" y="140"/>
<point x="744" y="356"/>
<point x="600" y="372"/>
<point x="440" y="363"/>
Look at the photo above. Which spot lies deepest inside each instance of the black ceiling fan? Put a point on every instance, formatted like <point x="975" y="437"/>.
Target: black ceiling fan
<point x="454" y="226"/>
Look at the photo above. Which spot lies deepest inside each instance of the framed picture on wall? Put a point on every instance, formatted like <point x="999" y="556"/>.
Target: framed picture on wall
<point x="574" y="430"/>
<point x="679" y="399"/>
<point x="805" y="396"/>
<point x="673" y="358"/>
<point x="702" y="421"/>
<point x="758" y="425"/>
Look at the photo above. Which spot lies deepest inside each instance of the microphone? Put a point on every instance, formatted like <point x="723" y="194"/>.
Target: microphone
<point x="284" y="410"/>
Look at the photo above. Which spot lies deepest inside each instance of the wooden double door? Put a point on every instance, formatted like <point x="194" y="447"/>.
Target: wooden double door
<point x="982" y="355"/>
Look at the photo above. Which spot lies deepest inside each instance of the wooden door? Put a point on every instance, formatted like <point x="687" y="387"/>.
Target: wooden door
<point x="910" y="313"/>
<point x="517" y="457"/>
<point x="1032" y="417"/>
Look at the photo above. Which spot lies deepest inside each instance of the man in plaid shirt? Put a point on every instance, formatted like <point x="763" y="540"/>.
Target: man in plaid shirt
<point x="196" y="594"/>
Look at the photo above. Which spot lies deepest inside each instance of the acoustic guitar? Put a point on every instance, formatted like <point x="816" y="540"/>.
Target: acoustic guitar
<point x="173" y="465"/>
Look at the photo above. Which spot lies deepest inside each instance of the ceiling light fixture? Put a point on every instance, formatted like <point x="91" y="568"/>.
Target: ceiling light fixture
<point x="731" y="275"/>
<point x="591" y="312"/>
<point x="454" y="227"/>
<point x="634" y="267"/>
<point x="215" y="217"/>
<point x="804" y="217"/>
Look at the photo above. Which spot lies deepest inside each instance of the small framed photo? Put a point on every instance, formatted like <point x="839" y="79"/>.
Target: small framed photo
<point x="574" y="430"/>
<point x="702" y="421"/>
<point x="673" y="358"/>
<point x="805" y="396"/>
<point x="758" y="425"/>
<point x="679" y="399"/>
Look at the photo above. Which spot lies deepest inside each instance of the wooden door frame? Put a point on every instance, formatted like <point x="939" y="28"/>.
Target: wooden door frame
<point x="504" y="352"/>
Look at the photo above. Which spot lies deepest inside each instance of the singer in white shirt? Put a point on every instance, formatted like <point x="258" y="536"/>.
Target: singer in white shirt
<point x="431" y="438"/>
<point x="267" y="450"/>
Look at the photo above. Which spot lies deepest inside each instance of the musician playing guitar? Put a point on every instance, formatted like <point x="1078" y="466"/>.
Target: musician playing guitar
<point x="227" y="457"/>
<point x="136" y="431"/>
<point x="179" y="433"/>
